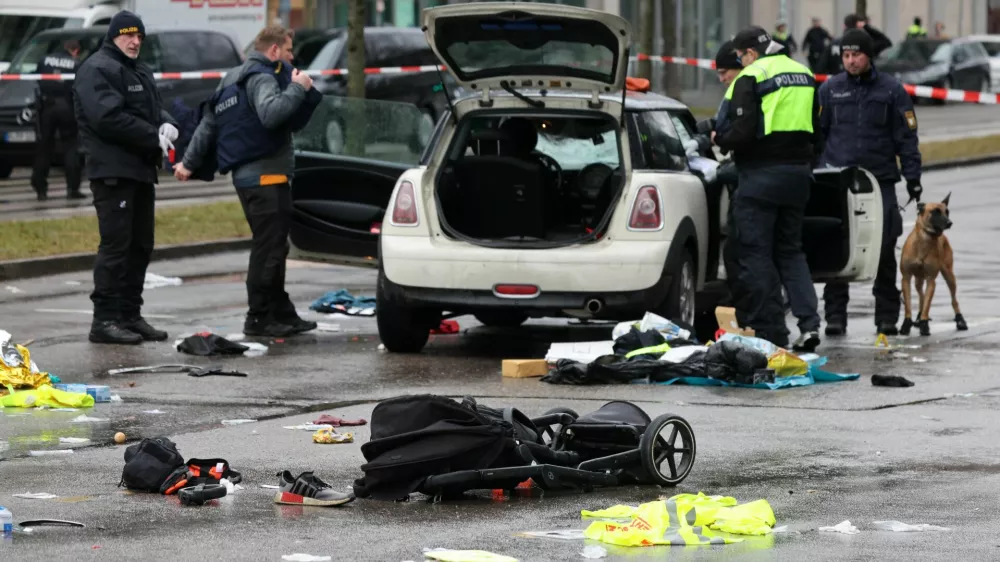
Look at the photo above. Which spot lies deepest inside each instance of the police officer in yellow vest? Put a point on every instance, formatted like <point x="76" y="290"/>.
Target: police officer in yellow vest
<point x="917" y="30"/>
<point x="773" y="129"/>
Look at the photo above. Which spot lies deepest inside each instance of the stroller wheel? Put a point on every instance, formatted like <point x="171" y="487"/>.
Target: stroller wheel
<point x="551" y="432"/>
<point x="667" y="449"/>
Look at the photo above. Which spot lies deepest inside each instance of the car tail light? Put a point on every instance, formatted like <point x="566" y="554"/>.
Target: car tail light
<point x="404" y="212"/>
<point x="516" y="291"/>
<point x="646" y="211"/>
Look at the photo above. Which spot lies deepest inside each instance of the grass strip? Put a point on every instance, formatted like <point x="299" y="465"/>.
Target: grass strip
<point x="79" y="234"/>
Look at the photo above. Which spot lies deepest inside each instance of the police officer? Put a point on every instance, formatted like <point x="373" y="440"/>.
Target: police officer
<point x="772" y="131"/>
<point x="124" y="133"/>
<point x="868" y="120"/>
<point x="255" y="110"/>
<point x="917" y="30"/>
<point x="55" y="113"/>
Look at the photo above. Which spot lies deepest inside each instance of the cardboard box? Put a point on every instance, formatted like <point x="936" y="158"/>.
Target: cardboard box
<point x="525" y="368"/>
<point x="727" y="322"/>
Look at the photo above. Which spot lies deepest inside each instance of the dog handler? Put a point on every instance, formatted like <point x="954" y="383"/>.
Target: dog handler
<point x="867" y="119"/>
<point x="772" y="130"/>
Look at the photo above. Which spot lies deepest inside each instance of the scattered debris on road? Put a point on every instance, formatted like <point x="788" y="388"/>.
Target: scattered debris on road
<point x="844" y="527"/>
<point x="900" y="527"/>
<point x="891" y="381"/>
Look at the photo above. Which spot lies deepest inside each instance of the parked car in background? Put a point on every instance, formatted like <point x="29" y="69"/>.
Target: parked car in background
<point x="307" y="44"/>
<point x="173" y="50"/>
<point x="959" y="64"/>
<point x="992" y="45"/>
<point x="387" y="46"/>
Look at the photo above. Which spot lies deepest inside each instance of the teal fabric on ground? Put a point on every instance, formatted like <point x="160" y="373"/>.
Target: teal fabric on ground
<point x="815" y="375"/>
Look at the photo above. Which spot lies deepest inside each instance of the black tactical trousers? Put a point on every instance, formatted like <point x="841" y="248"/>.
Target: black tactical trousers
<point x="887" y="302"/>
<point x="268" y="210"/>
<point x="56" y="116"/>
<point x="770" y="252"/>
<point x="125" y="219"/>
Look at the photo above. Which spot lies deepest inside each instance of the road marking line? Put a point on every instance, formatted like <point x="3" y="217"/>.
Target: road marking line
<point x="91" y="312"/>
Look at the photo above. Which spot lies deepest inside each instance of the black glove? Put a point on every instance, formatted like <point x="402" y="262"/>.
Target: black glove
<point x="914" y="189"/>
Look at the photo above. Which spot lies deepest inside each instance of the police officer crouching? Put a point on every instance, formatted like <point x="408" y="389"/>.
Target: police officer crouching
<point x="868" y="120"/>
<point x="55" y="113"/>
<point x="772" y="133"/>
<point x="255" y="110"/>
<point x="124" y="133"/>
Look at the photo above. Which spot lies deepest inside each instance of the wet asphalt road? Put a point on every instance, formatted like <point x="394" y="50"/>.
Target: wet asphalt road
<point x="818" y="454"/>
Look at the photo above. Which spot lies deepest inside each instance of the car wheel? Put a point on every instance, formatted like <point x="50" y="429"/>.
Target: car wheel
<point x="6" y="169"/>
<point x="680" y="304"/>
<point x="402" y="329"/>
<point x="333" y="137"/>
<point x="501" y="319"/>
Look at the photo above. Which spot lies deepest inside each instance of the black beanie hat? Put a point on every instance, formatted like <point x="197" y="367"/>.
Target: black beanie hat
<point x="125" y="22"/>
<point x="726" y="58"/>
<point x="857" y="40"/>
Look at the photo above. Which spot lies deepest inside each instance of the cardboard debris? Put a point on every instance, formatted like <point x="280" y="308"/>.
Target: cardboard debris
<point x="726" y="317"/>
<point x="525" y="368"/>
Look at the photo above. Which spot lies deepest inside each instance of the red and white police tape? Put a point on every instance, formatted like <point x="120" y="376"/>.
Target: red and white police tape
<point x="916" y="91"/>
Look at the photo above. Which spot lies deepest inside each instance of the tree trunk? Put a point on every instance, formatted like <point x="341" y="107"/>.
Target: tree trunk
<point x="647" y="29"/>
<point x="861" y="7"/>
<point x="355" y="129"/>
<point x="671" y="72"/>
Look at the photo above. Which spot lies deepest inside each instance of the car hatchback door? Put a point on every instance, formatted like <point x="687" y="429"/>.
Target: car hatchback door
<point x="493" y="44"/>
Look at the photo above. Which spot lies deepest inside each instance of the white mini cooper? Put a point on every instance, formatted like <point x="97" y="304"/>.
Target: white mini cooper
<point x="549" y="190"/>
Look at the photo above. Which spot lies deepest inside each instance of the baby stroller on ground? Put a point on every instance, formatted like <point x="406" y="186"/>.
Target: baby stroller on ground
<point x="442" y="448"/>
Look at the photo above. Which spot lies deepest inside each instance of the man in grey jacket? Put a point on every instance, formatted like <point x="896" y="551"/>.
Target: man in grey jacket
<point x="248" y="127"/>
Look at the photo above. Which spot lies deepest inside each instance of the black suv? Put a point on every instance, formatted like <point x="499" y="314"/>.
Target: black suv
<point x="162" y="51"/>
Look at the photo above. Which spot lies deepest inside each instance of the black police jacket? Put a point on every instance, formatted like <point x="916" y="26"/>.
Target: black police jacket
<point x="57" y="90"/>
<point x="868" y="121"/>
<point x="119" y="112"/>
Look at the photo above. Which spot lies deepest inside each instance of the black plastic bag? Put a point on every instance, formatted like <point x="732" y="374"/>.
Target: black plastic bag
<point x="210" y="344"/>
<point x="635" y="340"/>
<point x="611" y="369"/>
<point x="732" y="361"/>
<point x="149" y="463"/>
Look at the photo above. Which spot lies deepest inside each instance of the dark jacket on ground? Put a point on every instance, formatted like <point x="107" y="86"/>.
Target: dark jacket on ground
<point x="745" y="118"/>
<point x="867" y="121"/>
<point x="119" y="112"/>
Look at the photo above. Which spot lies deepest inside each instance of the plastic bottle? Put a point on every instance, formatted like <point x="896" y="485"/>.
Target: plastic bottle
<point x="6" y="522"/>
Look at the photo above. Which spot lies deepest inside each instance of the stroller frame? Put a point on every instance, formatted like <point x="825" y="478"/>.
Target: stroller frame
<point x="583" y="454"/>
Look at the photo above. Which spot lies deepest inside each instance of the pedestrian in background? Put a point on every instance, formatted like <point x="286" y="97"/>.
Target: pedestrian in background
<point x="815" y="44"/>
<point x="55" y="114"/>
<point x="125" y="133"/>
<point x="868" y="120"/>
<point x="772" y="115"/>
<point x="255" y="110"/>
<point x="782" y="37"/>
<point x="917" y="30"/>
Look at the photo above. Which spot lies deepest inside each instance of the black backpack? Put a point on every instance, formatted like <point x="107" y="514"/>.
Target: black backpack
<point x="149" y="463"/>
<point x="413" y="437"/>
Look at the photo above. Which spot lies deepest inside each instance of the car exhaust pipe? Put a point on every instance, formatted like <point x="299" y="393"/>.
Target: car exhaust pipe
<point x="594" y="306"/>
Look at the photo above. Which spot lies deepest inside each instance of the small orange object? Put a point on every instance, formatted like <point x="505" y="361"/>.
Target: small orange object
<point x="119" y="438"/>
<point x="636" y="84"/>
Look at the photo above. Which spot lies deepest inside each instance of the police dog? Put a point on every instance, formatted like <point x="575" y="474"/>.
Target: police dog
<point x="925" y="254"/>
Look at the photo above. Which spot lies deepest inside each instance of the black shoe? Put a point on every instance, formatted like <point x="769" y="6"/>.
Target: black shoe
<point x="887" y="328"/>
<point x="267" y="327"/>
<point x="906" y="327"/>
<point x="43" y="196"/>
<point x="836" y="327"/>
<point x="925" y="327"/>
<point x="141" y="327"/>
<point x="110" y="331"/>
<point x="960" y="323"/>
<point x="807" y="342"/>
<point x="75" y="195"/>
<point x="300" y="325"/>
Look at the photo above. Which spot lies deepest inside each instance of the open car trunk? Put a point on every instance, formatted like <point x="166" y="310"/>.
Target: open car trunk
<point x="531" y="181"/>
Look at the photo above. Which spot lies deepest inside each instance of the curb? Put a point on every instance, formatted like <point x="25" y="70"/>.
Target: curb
<point x="949" y="164"/>
<point x="40" y="267"/>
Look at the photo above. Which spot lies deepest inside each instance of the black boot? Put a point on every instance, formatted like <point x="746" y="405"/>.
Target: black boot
<point x="960" y="323"/>
<point x="925" y="327"/>
<point x="257" y="326"/>
<point x="110" y="331"/>
<point x="887" y="328"/>
<point x="289" y="317"/>
<point x="906" y="327"/>
<point x="75" y="195"/>
<point x="141" y="327"/>
<point x="836" y="326"/>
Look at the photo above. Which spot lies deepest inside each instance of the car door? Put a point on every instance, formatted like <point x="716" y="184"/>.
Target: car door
<point x="842" y="229"/>
<point x="964" y="68"/>
<point x="339" y="200"/>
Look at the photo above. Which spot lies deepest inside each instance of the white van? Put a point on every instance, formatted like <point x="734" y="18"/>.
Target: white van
<point x="20" y="20"/>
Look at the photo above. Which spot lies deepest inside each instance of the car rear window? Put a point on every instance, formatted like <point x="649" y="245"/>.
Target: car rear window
<point x="188" y="51"/>
<point x="27" y="59"/>
<point x="15" y="31"/>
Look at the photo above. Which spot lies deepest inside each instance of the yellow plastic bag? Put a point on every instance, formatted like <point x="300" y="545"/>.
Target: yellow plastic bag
<point x="787" y="364"/>
<point x="15" y="367"/>
<point x="328" y="435"/>
<point x="45" y="395"/>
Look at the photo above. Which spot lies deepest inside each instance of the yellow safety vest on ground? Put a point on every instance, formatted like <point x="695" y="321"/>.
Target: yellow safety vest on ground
<point x="786" y="90"/>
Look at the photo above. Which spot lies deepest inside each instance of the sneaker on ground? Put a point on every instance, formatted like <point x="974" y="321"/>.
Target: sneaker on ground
<point x="807" y="342"/>
<point x="307" y="489"/>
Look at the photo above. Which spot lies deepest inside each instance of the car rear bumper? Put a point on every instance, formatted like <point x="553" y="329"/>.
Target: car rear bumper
<point x="575" y="281"/>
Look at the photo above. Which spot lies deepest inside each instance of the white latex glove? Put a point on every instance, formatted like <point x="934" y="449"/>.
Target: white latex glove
<point x="169" y="131"/>
<point x="166" y="145"/>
